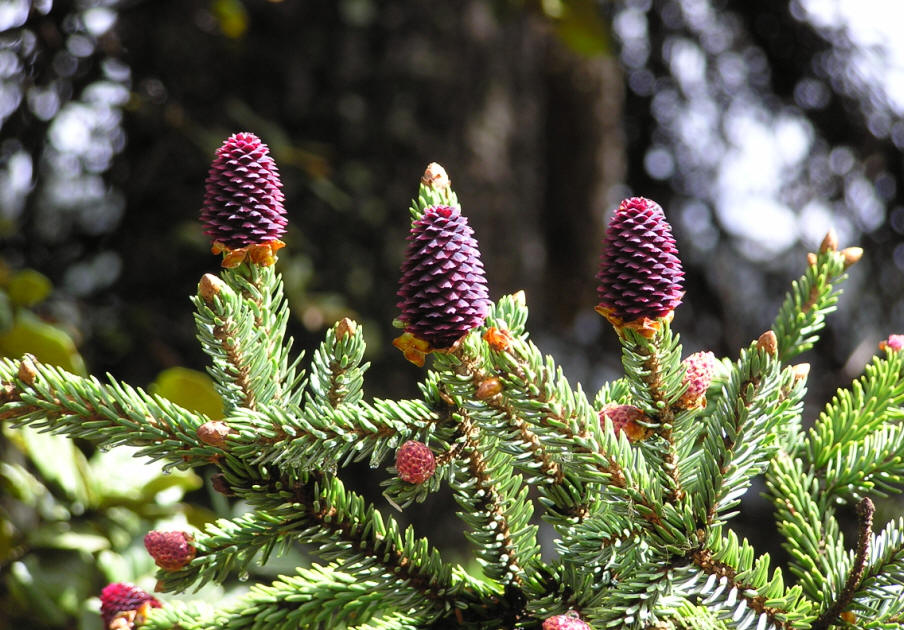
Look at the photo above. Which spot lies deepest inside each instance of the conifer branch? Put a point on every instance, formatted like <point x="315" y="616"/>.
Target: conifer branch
<point x="655" y="363"/>
<point x="325" y="437"/>
<point x="494" y="505"/>
<point x="316" y="509"/>
<point x="113" y="414"/>
<point x="812" y="297"/>
<point x="638" y="494"/>
<point x="879" y="473"/>
<point x="241" y="321"/>
<point x="740" y="435"/>
<point x="877" y="598"/>
<point x="811" y="533"/>
<point x="725" y="577"/>
<point x="865" y="510"/>
<point x="872" y="400"/>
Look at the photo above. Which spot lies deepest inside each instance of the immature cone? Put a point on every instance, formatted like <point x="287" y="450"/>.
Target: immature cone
<point x="442" y="291"/>
<point x="700" y="368"/>
<point x="120" y="597"/>
<point x="568" y="621"/>
<point x="640" y="274"/>
<point x="625" y="419"/>
<point x="243" y="202"/>
<point x="894" y="343"/>
<point x="170" y="550"/>
<point x="415" y="462"/>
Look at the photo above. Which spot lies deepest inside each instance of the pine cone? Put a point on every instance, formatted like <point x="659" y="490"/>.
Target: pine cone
<point x="640" y="274"/>
<point x="243" y="200"/>
<point x="700" y="368"/>
<point x="415" y="462"/>
<point x="120" y="597"/>
<point x="443" y="292"/>
<point x="170" y="550"/>
<point x="568" y="621"/>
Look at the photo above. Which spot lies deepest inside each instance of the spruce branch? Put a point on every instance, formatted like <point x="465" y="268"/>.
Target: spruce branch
<point x="319" y="437"/>
<point x="878" y="596"/>
<point x="872" y="465"/>
<point x="865" y="510"/>
<point x="653" y="366"/>
<point x="337" y="372"/>
<point x="812" y="297"/>
<point x="241" y="321"/>
<point x="874" y="399"/>
<point x="811" y="533"/>
<point x="593" y="460"/>
<point x="741" y="434"/>
<point x="495" y="507"/>
<point x="737" y="585"/>
<point x="316" y="597"/>
<point x="113" y="414"/>
<point x="317" y="509"/>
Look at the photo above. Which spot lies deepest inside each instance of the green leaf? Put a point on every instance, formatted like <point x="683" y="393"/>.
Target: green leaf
<point x="190" y="389"/>
<point x="231" y="16"/>
<point x="59" y="461"/>
<point x="48" y="343"/>
<point x="580" y="25"/>
<point x="28" y="287"/>
<point x="60" y="536"/>
<point x="119" y="474"/>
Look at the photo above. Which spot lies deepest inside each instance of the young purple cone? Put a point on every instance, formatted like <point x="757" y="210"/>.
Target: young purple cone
<point x="171" y="551"/>
<point x="243" y="209"/>
<point x="120" y="602"/>
<point x="443" y="291"/>
<point x="640" y="274"/>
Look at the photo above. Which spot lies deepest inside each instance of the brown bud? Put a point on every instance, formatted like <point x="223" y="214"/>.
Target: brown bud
<point x="768" y="342"/>
<point x="346" y="328"/>
<point x="210" y="287"/>
<point x="219" y="483"/>
<point x="811" y="259"/>
<point x="27" y="370"/>
<point x="214" y="433"/>
<point x="829" y="243"/>
<point x="435" y="177"/>
<point x="851" y="255"/>
<point x="800" y="371"/>
<point x="488" y="388"/>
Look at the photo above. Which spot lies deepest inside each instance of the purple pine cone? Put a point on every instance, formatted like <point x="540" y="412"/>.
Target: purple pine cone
<point x="243" y="200"/>
<point x="443" y="289"/>
<point x="640" y="274"/>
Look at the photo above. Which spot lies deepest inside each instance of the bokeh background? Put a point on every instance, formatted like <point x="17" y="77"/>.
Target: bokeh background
<point x="756" y="125"/>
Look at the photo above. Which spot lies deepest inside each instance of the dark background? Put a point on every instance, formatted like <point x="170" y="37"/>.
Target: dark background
<point x="544" y="114"/>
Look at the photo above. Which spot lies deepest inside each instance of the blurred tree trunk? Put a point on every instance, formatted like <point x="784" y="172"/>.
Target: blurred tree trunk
<point x="585" y="165"/>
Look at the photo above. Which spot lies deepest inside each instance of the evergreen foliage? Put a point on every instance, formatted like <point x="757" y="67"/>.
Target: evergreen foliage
<point x="643" y="536"/>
